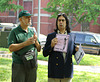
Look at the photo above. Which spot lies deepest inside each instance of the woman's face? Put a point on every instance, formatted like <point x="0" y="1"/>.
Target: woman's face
<point x="61" y="23"/>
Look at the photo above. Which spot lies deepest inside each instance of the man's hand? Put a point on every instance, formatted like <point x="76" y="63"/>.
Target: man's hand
<point x="34" y="37"/>
<point x="38" y="46"/>
<point x="31" y="40"/>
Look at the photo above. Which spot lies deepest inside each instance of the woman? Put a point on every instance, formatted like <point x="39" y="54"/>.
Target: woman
<point x="60" y="65"/>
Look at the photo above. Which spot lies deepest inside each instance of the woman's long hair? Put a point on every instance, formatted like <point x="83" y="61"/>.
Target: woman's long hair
<point x="67" y="22"/>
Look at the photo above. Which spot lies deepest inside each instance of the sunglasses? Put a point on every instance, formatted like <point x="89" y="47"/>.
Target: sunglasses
<point x="61" y="14"/>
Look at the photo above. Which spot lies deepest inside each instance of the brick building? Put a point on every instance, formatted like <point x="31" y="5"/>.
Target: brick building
<point x="46" y="25"/>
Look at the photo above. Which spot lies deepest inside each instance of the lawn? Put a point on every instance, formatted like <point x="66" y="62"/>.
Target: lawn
<point x="5" y="73"/>
<point x="5" y="69"/>
<point x="93" y="60"/>
<point x="4" y="49"/>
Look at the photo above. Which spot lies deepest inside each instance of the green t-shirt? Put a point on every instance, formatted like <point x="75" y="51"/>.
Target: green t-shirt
<point x="18" y="35"/>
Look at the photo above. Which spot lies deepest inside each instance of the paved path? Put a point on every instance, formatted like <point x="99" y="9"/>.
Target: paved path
<point x="94" y="69"/>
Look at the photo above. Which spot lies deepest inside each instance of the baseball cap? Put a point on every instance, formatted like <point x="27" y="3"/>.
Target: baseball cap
<point x="24" y="13"/>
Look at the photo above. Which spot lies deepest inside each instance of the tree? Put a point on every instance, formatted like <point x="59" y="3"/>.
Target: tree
<point x="8" y="5"/>
<point x="80" y="10"/>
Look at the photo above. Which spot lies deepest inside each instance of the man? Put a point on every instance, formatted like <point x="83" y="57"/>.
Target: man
<point x="60" y="65"/>
<point x="21" y="40"/>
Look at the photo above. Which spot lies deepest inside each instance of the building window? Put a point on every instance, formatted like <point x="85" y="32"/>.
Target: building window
<point x="85" y="26"/>
<point x="11" y="13"/>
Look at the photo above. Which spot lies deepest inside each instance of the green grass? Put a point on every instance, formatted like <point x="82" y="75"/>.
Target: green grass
<point x="4" y="49"/>
<point x="42" y="75"/>
<point x="5" y="69"/>
<point x="79" y="76"/>
<point x="93" y="60"/>
<point x="41" y="57"/>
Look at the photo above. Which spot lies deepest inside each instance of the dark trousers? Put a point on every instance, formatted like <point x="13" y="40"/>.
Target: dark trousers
<point x="19" y="74"/>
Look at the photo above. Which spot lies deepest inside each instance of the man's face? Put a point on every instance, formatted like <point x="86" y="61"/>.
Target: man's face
<point x="61" y="23"/>
<point x="26" y="20"/>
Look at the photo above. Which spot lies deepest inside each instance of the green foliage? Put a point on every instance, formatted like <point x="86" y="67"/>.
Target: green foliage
<point x="82" y="10"/>
<point x="8" y="5"/>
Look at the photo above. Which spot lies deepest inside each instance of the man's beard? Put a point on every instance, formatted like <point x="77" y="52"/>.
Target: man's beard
<point x="26" y="24"/>
<point x="29" y="24"/>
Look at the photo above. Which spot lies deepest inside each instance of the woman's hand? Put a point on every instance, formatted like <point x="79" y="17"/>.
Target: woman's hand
<point x="54" y="42"/>
<point x="77" y="48"/>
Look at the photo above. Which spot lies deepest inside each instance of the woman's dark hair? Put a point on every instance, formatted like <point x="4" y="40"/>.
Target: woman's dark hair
<point x="67" y="22"/>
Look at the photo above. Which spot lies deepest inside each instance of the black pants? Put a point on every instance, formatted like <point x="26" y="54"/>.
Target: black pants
<point x="19" y="74"/>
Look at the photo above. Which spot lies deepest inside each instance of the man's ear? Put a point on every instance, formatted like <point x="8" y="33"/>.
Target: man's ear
<point x="20" y="19"/>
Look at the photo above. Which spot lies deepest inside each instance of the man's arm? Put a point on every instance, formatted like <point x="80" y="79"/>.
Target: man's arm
<point x="38" y="46"/>
<point x="16" y="47"/>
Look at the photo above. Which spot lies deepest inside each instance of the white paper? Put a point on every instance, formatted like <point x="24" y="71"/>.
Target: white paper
<point x="62" y="43"/>
<point x="79" y="54"/>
